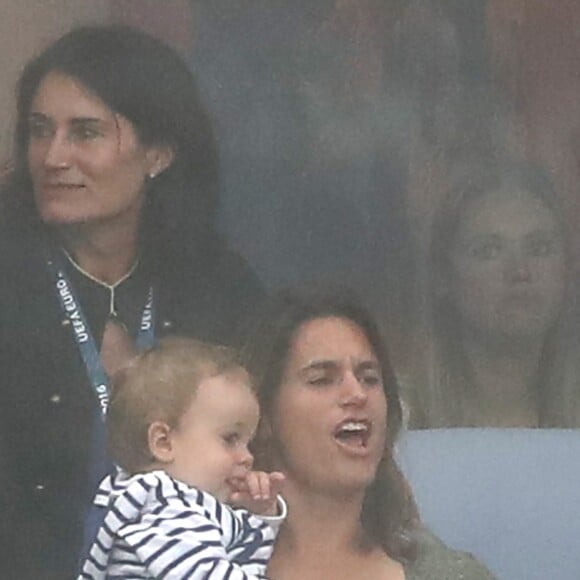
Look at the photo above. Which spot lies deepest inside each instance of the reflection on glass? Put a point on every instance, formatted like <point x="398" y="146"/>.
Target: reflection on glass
<point x="501" y="351"/>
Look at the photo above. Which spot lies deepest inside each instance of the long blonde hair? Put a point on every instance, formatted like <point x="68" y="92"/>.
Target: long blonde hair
<point x="447" y="397"/>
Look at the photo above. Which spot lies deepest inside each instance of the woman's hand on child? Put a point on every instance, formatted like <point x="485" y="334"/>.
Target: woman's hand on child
<point x="258" y="492"/>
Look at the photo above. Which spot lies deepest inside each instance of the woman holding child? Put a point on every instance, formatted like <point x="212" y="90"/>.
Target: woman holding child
<point x="330" y="413"/>
<point x="109" y="242"/>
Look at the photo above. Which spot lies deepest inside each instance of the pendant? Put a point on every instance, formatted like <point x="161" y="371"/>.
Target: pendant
<point x="114" y="318"/>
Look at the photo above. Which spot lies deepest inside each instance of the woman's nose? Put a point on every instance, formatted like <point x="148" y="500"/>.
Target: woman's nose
<point x="353" y="392"/>
<point x="58" y="152"/>
<point x="519" y="268"/>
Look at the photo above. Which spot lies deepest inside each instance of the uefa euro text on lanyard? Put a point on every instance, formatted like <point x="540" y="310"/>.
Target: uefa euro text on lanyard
<point x="84" y="337"/>
<point x="99" y="462"/>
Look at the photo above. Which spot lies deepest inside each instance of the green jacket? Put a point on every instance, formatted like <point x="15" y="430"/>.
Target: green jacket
<point x="435" y="561"/>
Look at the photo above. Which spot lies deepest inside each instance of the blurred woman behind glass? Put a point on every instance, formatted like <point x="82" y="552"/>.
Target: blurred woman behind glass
<point x="501" y="351"/>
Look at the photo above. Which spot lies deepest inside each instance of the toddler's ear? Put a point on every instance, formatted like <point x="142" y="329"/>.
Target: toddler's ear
<point x="160" y="441"/>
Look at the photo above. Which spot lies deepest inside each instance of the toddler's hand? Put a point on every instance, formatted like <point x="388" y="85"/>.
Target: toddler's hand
<point x="258" y="492"/>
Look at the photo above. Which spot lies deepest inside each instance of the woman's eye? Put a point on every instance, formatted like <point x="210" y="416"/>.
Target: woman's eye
<point x="321" y="381"/>
<point x="371" y="380"/>
<point x="39" y="129"/>
<point x="543" y="247"/>
<point x="84" y="133"/>
<point x="485" y="251"/>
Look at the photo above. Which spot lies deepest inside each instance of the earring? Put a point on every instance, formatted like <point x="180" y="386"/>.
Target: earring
<point x="152" y="175"/>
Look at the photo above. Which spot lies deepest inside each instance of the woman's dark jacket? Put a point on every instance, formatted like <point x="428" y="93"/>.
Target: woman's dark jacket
<point x="48" y="406"/>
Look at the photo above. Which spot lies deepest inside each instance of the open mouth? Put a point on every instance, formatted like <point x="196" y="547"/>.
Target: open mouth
<point x="353" y="433"/>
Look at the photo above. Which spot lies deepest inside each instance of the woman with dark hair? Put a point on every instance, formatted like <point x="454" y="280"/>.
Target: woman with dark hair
<point x="109" y="243"/>
<point x="501" y="348"/>
<point x="330" y="416"/>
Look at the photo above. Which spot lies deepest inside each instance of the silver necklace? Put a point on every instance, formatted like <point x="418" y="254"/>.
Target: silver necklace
<point x="110" y="287"/>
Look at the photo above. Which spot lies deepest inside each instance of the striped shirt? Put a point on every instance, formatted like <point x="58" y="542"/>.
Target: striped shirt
<point x="158" y="527"/>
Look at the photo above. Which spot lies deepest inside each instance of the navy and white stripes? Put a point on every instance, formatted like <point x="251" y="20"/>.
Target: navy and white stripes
<point x="157" y="527"/>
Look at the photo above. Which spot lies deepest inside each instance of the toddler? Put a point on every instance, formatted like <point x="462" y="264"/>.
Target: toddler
<point x="179" y="423"/>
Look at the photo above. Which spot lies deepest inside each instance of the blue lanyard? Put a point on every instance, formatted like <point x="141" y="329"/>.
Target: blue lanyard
<point x="84" y="337"/>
